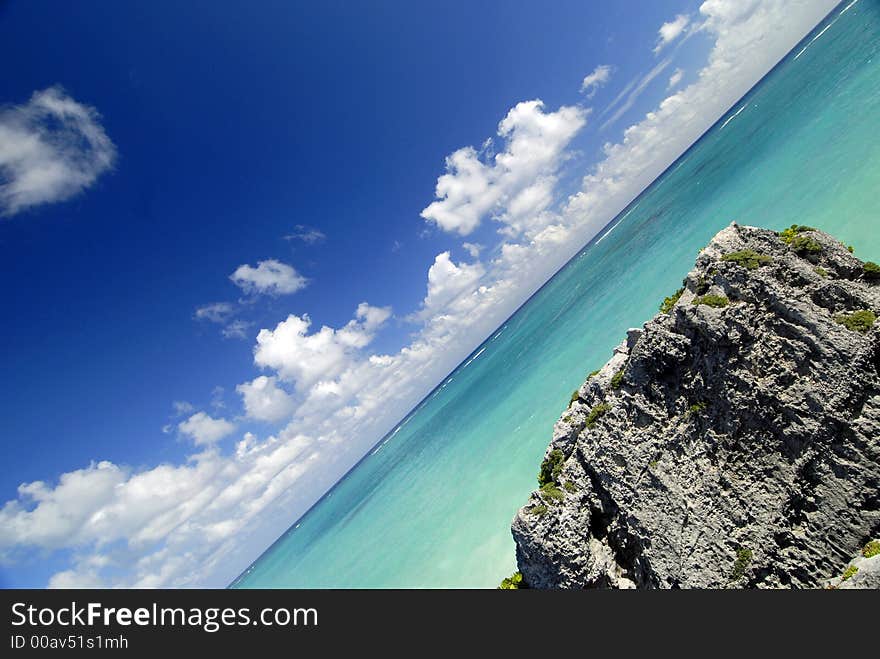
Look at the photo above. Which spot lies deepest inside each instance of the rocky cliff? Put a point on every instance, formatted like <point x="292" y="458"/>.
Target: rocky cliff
<point x="733" y="441"/>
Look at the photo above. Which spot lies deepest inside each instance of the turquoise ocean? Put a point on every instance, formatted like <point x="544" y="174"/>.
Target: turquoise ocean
<point x="431" y="504"/>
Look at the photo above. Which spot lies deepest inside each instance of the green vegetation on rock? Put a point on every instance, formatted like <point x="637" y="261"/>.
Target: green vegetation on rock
<point x="792" y="232"/>
<point x="697" y="408"/>
<point x="617" y="380"/>
<point x="513" y="582"/>
<point x="747" y="258"/>
<point x="805" y="245"/>
<point x="871" y="271"/>
<point x="871" y="549"/>
<point x="743" y="558"/>
<point x="570" y="487"/>
<point x="822" y="272"/>
<point x="552" y="491"/>
<point x="857" y="321"/>
<point x="802" y="245"/>
<point x="597" y="413"/>
<point x="551" y="467"/>
<point x="539" y="509"/>
<point x="574" y="396"/>
<point x="716" y="301"/>
<point x="849" y="572"/>
<point x="669" y="302"/>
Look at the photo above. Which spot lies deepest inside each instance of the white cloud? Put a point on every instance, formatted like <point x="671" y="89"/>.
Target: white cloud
<point x="675" y="78"/>
<point x="447" y="280"/>
<point x="465" y="193"/>
<point x="634" y="89"/>
<point x="72" y="579"/>
<point x="723" y="13"/>
<point x="473" y="249"/>
<point x="305" y="359"/>
<point x="216" y="312"/>
<point x="598" y="78"/>
<point x="535" y="143"/>
<point x="202" y="521"/>
<point x="270" y="277"/>
<point x="51" y="149"/>
<point x="167" y="525"/>
<point x="671" y="31"/>
<point x="60" y="512"/>
<point x="308" y="235"/>
<point x="264" y="400"/>
<point x="205" y="430"/>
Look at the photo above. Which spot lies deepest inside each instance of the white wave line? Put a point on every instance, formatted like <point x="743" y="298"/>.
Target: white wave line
<point x="847" y="8"/>
<point x="735" y="115"/>
<point x="608" y="233"/>
<point x="827" y="27"/>
<point x="824" y="30"/>
<point x="616" y="224"/>
<point x="468" y="362"/>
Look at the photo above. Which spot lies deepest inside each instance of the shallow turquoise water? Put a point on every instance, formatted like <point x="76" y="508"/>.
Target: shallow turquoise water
<point x="431" y="506"/>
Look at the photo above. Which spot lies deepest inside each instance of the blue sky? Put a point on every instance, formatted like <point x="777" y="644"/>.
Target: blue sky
<point x="190" y="192"/>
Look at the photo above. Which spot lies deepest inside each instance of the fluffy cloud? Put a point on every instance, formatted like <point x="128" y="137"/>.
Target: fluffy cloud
<point x="51" y="148"/>
<point x="447" y="280"/>
<point x="270" y="277"/>
<point x="598" y="78"/>
<point x="535" y="143"/>
<point x="466" y="193"/>
<point x="202" y="521"/>
<point x="264" y="400"/>
<point x="671" y="31"/>
<point x="723" y="13"/>
<point x="59" y="513"/>
<point x="305" y="359"/>
<point x="168" y="525"/>
<point x="675" y="78"/>
<point x="205" y="430"/>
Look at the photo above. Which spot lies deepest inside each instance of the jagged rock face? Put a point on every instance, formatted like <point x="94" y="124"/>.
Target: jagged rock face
<point x="740" y="447"/>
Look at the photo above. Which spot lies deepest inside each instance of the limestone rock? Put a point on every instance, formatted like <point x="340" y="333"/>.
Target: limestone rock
<point x="741" y="445"/>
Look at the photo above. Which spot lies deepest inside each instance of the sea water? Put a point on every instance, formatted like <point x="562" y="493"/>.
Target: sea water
<point x="431" y="505"/>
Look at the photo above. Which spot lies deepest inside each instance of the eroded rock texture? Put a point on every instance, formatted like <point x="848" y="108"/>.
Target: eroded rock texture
<point x="723" y="445"/>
